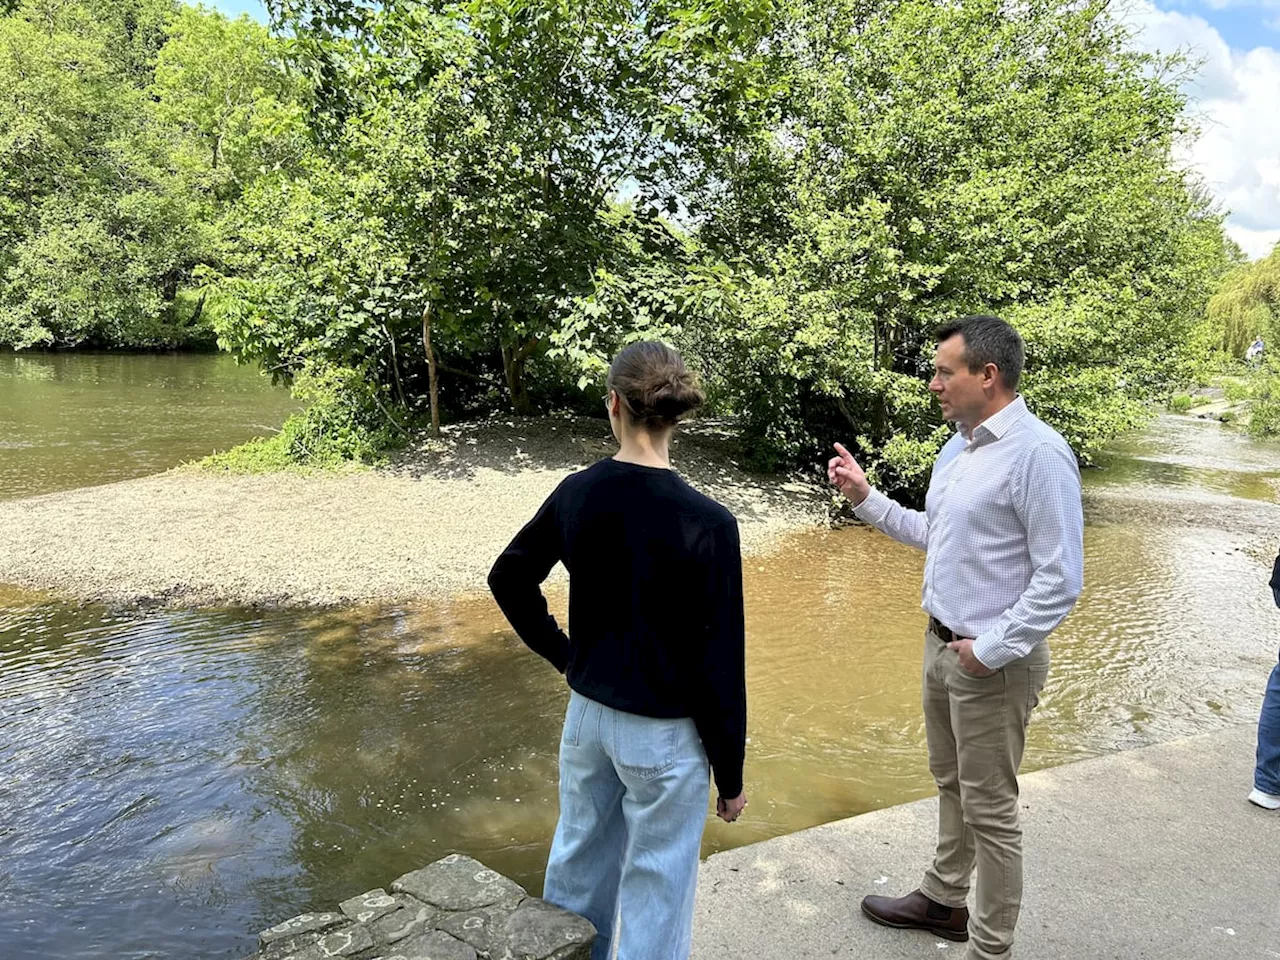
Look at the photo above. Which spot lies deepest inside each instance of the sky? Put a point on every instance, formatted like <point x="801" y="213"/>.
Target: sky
<point x="1236" y="99"/>
<point x="255" y="8"/>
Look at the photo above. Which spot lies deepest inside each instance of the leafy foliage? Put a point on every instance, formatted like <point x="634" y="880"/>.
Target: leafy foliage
<point x="795" y="192"/>
<point x="345" y="422"/>
<point x="939" y="159"/>
<point x="1247" y="305"/>
<point x="1264" y="408"/>
<point x="125" y="128"/>
<point x="469" y="170"/>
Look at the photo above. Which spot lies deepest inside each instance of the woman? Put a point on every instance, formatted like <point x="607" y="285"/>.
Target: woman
<point x="654" y="659"/>
<point x="1266" y="776"/>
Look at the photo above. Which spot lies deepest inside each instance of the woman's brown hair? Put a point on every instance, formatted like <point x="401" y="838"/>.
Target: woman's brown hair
<point x="655" y="385"/>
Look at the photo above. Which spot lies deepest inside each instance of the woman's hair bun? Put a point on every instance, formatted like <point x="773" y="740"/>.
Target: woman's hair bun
<point x="655" y="384"/>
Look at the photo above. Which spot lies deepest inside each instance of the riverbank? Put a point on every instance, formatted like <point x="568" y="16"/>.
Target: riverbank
<point x="1151" y="853"/>
<point x="426" y="527"/>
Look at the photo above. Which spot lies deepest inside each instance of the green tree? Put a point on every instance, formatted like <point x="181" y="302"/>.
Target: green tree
<point x="470" y="160"/>
<point x="931" y="160"/>
<point x="56" y="89"/>
<point x="109" y="195"/>
<point x="221" y="88"/>
<point x="1246" y="305"/>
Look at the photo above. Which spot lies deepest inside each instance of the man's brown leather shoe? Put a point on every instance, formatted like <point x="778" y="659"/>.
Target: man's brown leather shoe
<point x="915" y="911"/>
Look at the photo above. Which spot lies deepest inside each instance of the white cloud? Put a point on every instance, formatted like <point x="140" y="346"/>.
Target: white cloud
<point x="1236" y="96"/>
<point x="1255" y="243"/>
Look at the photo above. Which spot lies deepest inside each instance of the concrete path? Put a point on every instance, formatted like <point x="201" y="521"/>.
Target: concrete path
<point x="1152" y="853"/>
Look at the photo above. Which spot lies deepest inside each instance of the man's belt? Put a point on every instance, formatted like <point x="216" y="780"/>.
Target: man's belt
<point x="945" y="634"/>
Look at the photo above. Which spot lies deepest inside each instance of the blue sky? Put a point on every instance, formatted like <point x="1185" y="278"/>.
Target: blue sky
<point x="254" y="8"/>
<point x="1242" y="25"/>
<point x="1236" y="99"/>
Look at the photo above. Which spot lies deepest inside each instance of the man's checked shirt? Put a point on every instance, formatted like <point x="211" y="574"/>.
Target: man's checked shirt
<point x="1003" y="532"/>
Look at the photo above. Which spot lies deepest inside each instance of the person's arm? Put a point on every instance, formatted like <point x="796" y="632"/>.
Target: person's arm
<point x="720" y="690"/>
<point x="1275" y="581"/>
<point x="871" y="506"/>
<point x="893" y="519"/>
<point x="516" y="581"/>
<point x="1048" y="504"/>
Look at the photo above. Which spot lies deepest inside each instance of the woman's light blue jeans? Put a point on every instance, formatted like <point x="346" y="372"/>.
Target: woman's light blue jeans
<point x="1267" y="775"/>
<point x="633" y="801"/>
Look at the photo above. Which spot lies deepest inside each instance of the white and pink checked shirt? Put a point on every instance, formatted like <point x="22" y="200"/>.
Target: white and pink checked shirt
<point x="1002" y="531"/>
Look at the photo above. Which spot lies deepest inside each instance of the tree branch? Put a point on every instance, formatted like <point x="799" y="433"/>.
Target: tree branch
<point x="480" y="378"/>
<point x="527" y="350"/>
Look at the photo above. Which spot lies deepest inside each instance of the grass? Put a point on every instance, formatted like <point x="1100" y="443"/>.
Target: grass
<point x="270" y="455"/>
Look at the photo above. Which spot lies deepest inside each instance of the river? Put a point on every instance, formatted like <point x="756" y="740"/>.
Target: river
<point x="77" y="419"/>
<point x="175" y="781"/>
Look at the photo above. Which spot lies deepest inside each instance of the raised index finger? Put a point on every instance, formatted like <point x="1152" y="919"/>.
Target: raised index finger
<point x="844" y="454"/>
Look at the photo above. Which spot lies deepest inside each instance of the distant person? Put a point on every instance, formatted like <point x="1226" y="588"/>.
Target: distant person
<point x="1266" y="778"/>
<point x="1254" y="353"/>
<point x="655" y="661"/>
<point x="1002" y="532"/>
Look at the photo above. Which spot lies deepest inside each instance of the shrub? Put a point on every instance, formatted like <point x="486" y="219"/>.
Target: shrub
<point x="1264" y="417"/>
<point x="1236" y="391"/>
<point x="346" y="421"/>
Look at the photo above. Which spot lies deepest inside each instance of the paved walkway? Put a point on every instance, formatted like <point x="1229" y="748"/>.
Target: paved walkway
<point x="1152" y="853"/>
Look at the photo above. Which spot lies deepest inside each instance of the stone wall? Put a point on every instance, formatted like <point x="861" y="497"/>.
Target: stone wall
<point x="453" y="909"/>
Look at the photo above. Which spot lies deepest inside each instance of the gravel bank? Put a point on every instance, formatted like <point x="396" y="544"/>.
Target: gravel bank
<point x="1255" y="523"/>
<point x="427" y="527"/>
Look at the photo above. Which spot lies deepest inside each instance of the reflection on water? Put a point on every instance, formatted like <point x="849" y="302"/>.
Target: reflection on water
<point x="79" y="419"/>
<point x="175" y="782"/>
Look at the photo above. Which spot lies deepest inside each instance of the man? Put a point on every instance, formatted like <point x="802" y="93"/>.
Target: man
<point x="1254" y="353"/>
<point x="1003" y="534"/>
<point x="1266" y="776"/>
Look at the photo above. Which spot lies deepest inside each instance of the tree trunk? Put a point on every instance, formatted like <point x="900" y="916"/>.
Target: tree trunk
<point x="432" y="372"/>
<point x="513" y="361"/>
<point x="884" y="344"/>
<point x="395" y="368"/>
<point x="198" y="312"/>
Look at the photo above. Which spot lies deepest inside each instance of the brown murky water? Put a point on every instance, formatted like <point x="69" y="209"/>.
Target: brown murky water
<point x="78" y="419"/>
<point x="173" y="782"/>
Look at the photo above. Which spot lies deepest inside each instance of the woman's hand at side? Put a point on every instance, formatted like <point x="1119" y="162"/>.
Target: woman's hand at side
<point x="730" y="810"/>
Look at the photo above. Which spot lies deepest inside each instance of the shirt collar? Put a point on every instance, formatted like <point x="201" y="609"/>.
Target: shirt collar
<point x="998" y="424"/>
